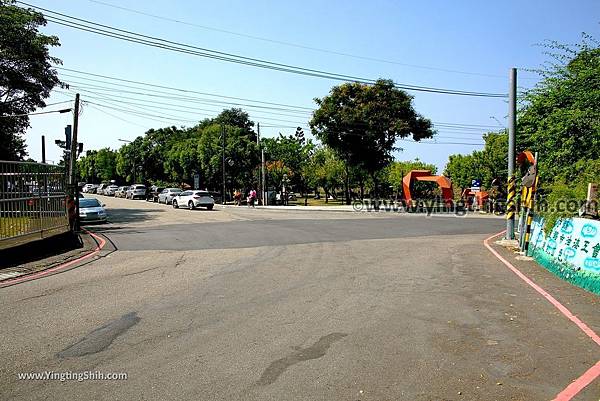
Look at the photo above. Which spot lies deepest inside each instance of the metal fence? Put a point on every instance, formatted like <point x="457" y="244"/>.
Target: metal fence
<point x="33" y="202"/>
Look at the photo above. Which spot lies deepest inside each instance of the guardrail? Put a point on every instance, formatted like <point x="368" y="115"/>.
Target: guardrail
<point x="33" y="202"/>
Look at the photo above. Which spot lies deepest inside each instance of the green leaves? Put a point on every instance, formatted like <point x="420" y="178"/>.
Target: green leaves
<point x="560" y="117"/>
<point x="26" y="74"/>
<point x="362" y="122"/>
<point x="486" y="165"/>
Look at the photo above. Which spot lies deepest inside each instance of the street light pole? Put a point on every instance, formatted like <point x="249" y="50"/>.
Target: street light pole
<point x="134" y="166"/>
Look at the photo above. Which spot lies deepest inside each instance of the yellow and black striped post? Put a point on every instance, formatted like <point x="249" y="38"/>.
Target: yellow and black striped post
<point x="510" y="202"/>
<point x="527" y="231"/>
<point x="529" y="203"/>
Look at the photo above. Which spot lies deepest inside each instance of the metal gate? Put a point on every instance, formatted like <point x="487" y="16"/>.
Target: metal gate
<point x="33" y="202"/>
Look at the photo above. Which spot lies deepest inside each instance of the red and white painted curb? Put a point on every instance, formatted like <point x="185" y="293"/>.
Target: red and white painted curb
<point x="591" y="374"/>
<point x="57" y="269"/>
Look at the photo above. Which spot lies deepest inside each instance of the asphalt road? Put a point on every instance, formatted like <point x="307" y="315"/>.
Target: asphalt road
<point x="244" y="304"/>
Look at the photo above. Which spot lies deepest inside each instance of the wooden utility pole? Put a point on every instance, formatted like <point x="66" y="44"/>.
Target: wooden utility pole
<point x="73" y="163"/>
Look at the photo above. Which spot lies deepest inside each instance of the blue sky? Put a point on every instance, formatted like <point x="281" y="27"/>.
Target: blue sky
<point x="484" y="39"/>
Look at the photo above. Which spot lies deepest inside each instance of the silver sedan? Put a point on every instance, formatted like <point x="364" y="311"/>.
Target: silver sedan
<point x="167" y="195"/>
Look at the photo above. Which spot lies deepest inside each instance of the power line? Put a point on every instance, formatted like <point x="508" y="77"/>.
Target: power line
<point x="146" y="40"/>
<point x="142" y="103"/>
<point x="285" y="107"/>
<point x="164" y="95"/>
<point x="180" y="89"/>
<point x="54" y="104"/>
<point x="117" y="117"/>
<point x="442" y="143"/>
<point x="380" y="60"/>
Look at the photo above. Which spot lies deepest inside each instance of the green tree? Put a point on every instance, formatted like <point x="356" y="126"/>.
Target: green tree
<point x="106" y="165"/>
<point x="241" y="154"/>
<point x="26" y="74"/>
<point x="295" y="154"/>
<point x="325" y="170"/>
<point x="488" y="165"/>
<point x="560" y="116"/>
<point x="395" y="172"/>
<point x="361" y="123"/>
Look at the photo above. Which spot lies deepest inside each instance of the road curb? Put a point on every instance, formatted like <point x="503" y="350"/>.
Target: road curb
<point x="53" y="269"/>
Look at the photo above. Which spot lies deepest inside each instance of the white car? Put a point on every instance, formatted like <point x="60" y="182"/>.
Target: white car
<point x="193" y="199"/>
<point x="90" y="210"/>
<point x="136" y="191"/>
<point x="110" y="190"/>
<point x="167" y="195"/>
<point x="87" y="187"/>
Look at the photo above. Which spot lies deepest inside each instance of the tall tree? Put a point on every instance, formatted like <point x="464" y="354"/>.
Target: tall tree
<point x="560" y="116"/>
<point x="361" y="123"/>
<point x="26" y="74"/>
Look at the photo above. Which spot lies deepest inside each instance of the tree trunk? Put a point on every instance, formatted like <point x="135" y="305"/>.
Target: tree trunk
<point x="347" y="184"/>
<point x="326" y="194"/>
<point x="375" y="192"/>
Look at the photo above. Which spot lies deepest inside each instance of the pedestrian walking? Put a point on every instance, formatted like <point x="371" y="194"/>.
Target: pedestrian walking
<point x="251" y="197"/>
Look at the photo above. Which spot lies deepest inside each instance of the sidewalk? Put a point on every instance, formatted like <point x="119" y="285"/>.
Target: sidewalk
<point x="362" y="209"/>
<point x="42" y="255"/>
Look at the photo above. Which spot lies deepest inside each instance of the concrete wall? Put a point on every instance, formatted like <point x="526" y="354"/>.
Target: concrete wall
<point x="571" y="251"/>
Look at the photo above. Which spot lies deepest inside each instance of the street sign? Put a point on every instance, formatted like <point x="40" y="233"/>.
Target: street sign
<point x="529" y="178"/>
<point x="475" y="185"/>
<point x="196" y="181"/>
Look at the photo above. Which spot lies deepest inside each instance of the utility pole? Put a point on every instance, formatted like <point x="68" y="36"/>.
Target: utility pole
<point x="261" y="179"/>
<point x="262" y="167"/>
<point x="43" y="149"/>
<point x="223" y="162"/>
<point x="72" y="166"/>
<point x="512" y="133"/>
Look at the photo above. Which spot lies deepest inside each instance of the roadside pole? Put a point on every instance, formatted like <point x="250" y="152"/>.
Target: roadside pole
<point x="73" y="163"/>
<point x="223" y="162"/>
<point x="43" y="149"/>
<point x="512" y="127"/>
<point x="262" y="166"/>
<point x="260" y="183"/>
<point x="529" y="216"/>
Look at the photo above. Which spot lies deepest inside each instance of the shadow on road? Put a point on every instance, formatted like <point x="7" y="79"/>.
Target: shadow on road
<point x="38" y="250"/>
<point x="131" y="215"/>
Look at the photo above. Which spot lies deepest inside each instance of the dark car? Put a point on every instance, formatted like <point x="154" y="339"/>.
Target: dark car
<point x="153" y="192"/>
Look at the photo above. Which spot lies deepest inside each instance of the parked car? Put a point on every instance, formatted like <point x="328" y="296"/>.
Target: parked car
<point x="110" y="190"/>
<point x="193" y="199"/>
<point x="87" y="187"/>
<point x="216" y="196"/>
<point x="152" y="195"/>
<point x="90" y="210"/>
<point x="100" y="189"/>
<point x="121" y="192"/>
<point x="136" y="191"/>
<point x="167" y="195"/>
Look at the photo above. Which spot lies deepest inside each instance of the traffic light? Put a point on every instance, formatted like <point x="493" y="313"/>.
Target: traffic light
<point x="68" y="137"/>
